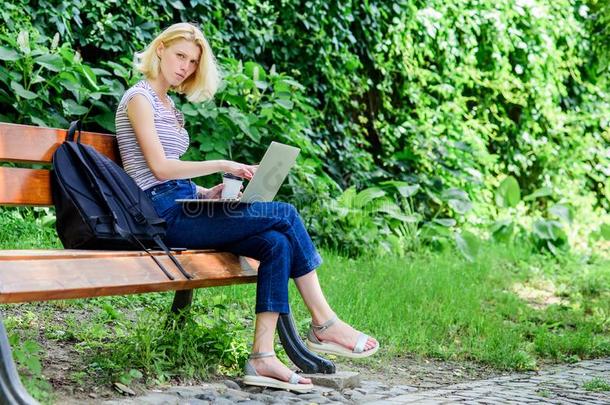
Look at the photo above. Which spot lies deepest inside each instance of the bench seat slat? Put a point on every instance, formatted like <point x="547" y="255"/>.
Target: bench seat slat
<point x="50" y="254"/>
<point x="26" y="279"/>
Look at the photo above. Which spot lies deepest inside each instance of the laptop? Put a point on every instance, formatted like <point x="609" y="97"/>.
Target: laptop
<point x="271" y="173"/>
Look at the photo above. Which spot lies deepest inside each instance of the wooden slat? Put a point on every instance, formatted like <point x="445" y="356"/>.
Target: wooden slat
<point x="93" y="275"/>
<point x="25" y="187"/>
<point x="50" y="254"/>
<point x="26" y="143"/>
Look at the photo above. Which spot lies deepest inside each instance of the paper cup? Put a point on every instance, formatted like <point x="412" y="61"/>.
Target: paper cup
<point x="232" y="185"/>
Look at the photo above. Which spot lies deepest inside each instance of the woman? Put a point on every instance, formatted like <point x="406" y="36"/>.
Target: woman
<point x="151" y="137"/>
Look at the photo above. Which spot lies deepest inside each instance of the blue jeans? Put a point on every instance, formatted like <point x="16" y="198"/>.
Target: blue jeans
<point x="271" y="232"/>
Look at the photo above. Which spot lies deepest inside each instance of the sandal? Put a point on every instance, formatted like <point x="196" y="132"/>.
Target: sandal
<point x="253" y="378"/>
<point x="319" y="346"/>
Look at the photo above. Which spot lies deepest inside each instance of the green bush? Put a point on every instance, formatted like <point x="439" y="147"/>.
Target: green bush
<point x="44" y="83"/>
<point x="450" y="96"/>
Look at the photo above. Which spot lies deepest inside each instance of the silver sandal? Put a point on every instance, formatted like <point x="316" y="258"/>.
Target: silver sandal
<point x="319" y="346"/>
<point x="251" y="377"/>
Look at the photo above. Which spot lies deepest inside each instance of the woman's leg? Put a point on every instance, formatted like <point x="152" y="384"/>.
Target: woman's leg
<point x="254" y="230"/>
<point x="264" y="334"/>
<point x="340" y="333"/>
<point x="273" y="250"/>
<point x="222" y="226"/>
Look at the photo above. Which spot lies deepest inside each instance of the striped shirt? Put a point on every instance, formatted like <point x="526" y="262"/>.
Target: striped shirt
<point x="170" y="129"/>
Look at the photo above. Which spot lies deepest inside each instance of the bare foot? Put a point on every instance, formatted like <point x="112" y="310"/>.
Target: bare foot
<point x="272" y="367"/>
<point x="344" y="335"/>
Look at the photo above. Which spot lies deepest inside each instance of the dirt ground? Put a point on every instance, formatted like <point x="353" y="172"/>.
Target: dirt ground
<point x="420" y="372"/>
<point x="62" y="360"/>
<point x="65" y="368"/>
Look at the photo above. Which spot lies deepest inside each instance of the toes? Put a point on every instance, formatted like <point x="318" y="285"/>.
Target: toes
<point x="371" y="344"/>
<point x="304" y="381"/>
<point x="274" y="369"/>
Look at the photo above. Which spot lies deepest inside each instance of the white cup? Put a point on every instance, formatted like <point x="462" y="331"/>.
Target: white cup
<point x="232" y="185"/>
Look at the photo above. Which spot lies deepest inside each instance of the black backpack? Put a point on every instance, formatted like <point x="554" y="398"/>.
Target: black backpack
<point x="99" y="206"/>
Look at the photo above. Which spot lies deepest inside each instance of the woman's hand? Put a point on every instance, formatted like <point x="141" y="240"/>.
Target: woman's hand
<point x="240" y="169"/>
<point x="210" y="193"/>
<point x="213" y="193"/>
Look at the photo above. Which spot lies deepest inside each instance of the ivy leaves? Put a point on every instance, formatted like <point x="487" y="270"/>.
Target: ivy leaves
<point x="487" y="112"/>
<point x="50" y="84"/>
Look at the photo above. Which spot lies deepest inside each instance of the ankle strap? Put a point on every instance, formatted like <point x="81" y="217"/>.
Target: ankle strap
<point x="325" y="325"/>
<point x="260" y="355"/>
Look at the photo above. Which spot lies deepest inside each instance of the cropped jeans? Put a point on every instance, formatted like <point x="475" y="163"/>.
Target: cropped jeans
<point x="271" y="232"/>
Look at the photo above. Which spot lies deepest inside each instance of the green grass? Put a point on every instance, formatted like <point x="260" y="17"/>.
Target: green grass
<point x="437" y="304"/>
<point x="432" y="303"/>
<point x="27" y="228"/>
<point x="597" y="385"/>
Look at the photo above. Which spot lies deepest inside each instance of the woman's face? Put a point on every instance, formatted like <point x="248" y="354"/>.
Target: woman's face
<point x="178" y="61"/>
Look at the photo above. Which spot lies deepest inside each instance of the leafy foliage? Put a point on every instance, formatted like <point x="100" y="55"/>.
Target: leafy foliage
<point x="166" y="345"/>
<point x="458" y="98"/>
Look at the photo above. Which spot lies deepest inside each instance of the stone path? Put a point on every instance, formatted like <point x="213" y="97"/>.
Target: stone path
<point x="557" y="385"/>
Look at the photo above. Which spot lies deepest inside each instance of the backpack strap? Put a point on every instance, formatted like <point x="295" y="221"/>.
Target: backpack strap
<point x="120" y="189"/>
<point x="74" y="126"/>
<point x="163" y="246"/>
<point x="144" y="248"/>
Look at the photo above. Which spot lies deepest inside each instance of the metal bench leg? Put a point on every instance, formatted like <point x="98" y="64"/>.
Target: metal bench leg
<point x="182" y="300"/>
<point x="296" y="350"/>
<point x="11" y="390"/>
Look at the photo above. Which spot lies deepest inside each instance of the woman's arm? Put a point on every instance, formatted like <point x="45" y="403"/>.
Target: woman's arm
<point x="141" y="117"/>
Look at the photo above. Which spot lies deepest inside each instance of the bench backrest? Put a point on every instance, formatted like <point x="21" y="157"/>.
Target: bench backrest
<point x="35" y="145"/>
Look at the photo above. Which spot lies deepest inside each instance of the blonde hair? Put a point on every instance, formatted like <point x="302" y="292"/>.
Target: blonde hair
<point x="199" y="86"/>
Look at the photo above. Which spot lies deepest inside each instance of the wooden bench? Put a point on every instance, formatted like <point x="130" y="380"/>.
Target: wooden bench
<point x="51" y="274"/>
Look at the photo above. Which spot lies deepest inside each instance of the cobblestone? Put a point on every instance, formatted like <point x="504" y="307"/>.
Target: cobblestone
<point x="560" y="385"/>
<point x="557" y="385"/>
